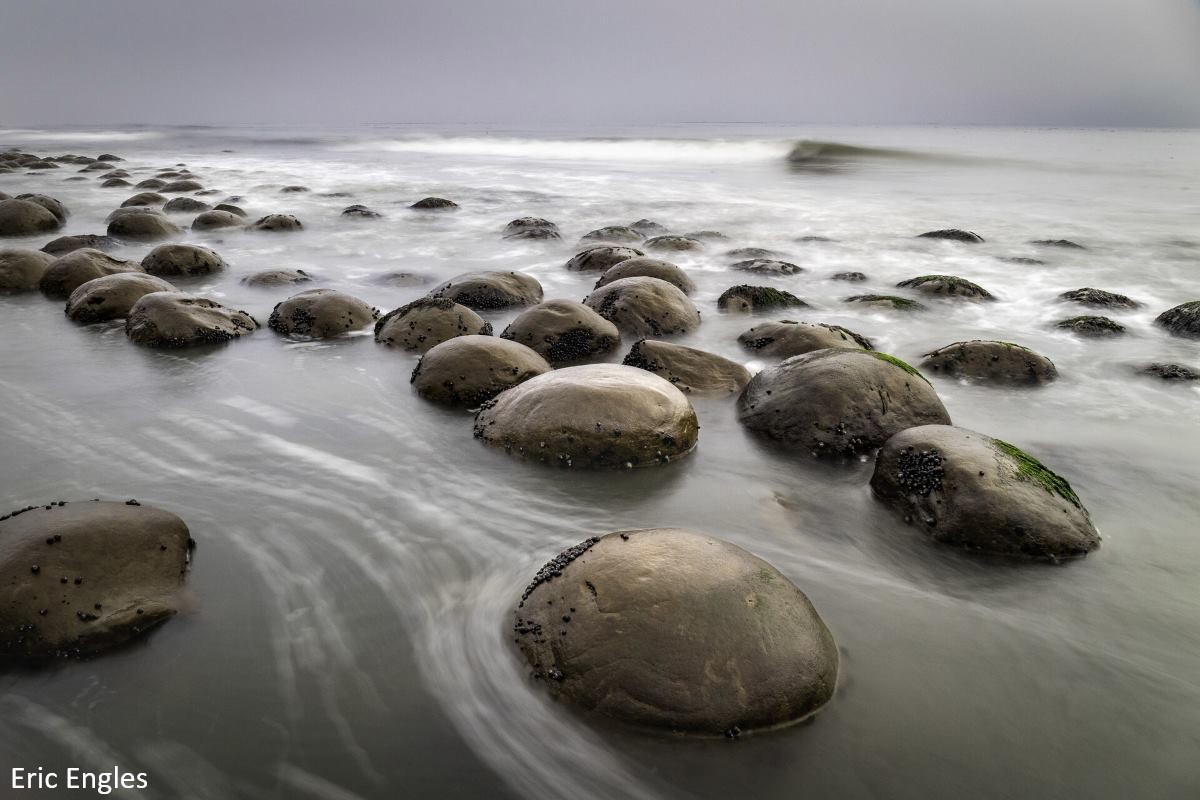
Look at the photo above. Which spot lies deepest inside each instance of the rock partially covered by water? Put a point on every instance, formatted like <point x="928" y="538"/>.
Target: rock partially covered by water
<point x="600" y="257"/>
<point x="947" y="286"/>
<point x="185" y="204"/>
<point x="277" y="223"/>
<point x="143" y="226"/>
<point x="182" y="260"/>
<point x="1182" y="320"/>
<point x="114" y="183"/>
<point x="112" y="296"/>
<point x="470" y="370"/>
<point x="21" y="269"/>
<point x="175" y="187"/>
<point x="690" y="370"/>
<point x="613" y="234"/>
<point x="51" y="204"/>
<point x="1064" y="243"/>
<point x="598" y="416"/>
<point x="1002" y="363"/>
<point x="277" y="277"/>
<point x="1092" y="327"/>
<point x="746" y="299"/>
<point x="79" y="578"/>
<point x="151" y="183"/>
<point x="678" y="631"/>
<point x="434" y="204"/>
<point x="427" y="322"/>
<point x="66" y="244"/>
<point x="68" y="273"/>
<point x="321" y="314"/>
<point x="25" y="218"/>
<point x="1098" y="298"/>
<point x="838" y="402"/>
<point x="215" y="219"/>
<point x="973" y="491"/>
<point x="675" y="243"/>
<point x="490" y="291"/>
<point x="144" y="199"/>
<point x="644" y="267"/>
<point x="767" y="266"/>
<point x="787" y="338"/>
<point x="954" y="235"/>
<point x="564" y="332"/>
<point x="648" y="227"/>
<point x="527" y="224"/>
<point x="886" y="301"/>
<point x="645" y="307"/>
<point x="849" y="277"/>
<point x="175" y="319"/>
<point x="1171" y="372"/>
<point x="359" y="211"/>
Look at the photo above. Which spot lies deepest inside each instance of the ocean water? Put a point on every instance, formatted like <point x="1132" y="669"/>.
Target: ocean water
<point x="359" y="554"/>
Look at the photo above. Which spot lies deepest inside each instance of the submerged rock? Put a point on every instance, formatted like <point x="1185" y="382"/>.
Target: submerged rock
<point x="677" y="243"/>
<point x="533" y="233"/>
<point x="143" y="225"/>
<point x="186" y="204"/>
<point x="787" y="338"/>
<point x="113" y="183"/>
<point x="887" y="301"/>
<point x="80" y="578"/>
<point x="215" y="219"/>
<point x="470" y="370"/>
<point x="947" y="286"/>
<point x="277" y="277"/>
<point x="746" y="299"/>
<point x="52" y="205"/>
<point x="359" y="211"/>
<point x="427" y="322"/>
<point x="1092" y="327"/>
<point x="838" y="402"/>
<point x="151" y="183"/>
<point x="754" y="253"/>
<point x="231" y="208"/>
<point x="599" y="416"/>
<point x="973" y="491"/>
<point x="181" y="186"/>
<point x="66" y="244"/>
<point x="849" y="277"/>
<point x="1182" y="320"/>
<point x="21" y="269"/>
<point x="1065" y="243"/>
<point x="434" y="204"/>
<point x="489" y="291"/>
<point x="529" y="224"/>
<point x="277" y="223"/>
<point x="648" y="227"/>
<point x="601" y="257"/>
<point x="144" y="199"/>
<point x="676" y="630"/>
<point x="644" y="267"/>
<point x="1170" y="372"/>
<point x="25" y="218"/>
<point x="112" y="296"/>
<point x="645" y="307"/>
<point x="613" y="234"/>
<point x="1002" y="363"/>
<point x="1099" y="298"/>
<point x="175" y="319"/>
<point x="690" y="370"/>
<point x="767" y="266"/>
<point x="321" y="314"/>
<point x="564" y="332"/>
<point x="67" y="273"/>
<point x="954" y="235"/>
<point x="182" y="260"/>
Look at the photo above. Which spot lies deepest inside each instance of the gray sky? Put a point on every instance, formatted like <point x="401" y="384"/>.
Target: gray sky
<point x="1055" y="62"/>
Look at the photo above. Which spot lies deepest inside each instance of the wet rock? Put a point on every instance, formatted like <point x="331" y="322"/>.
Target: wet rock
<point x="21" y="269"/>
<point x="601" y="257"/>
<point x="849" y="277"/>
<point x="1002" y="363"/>
<point x="676" y="630"/>
<point x="67" y="273"/>
<point x="112" y="296"/>
<point x="1182" y="320"/>
<point x="787" y="338"/>
<point x="613" y="234"/>
<point x="359" y="211"/>
<point x="674" y="243"/>
<point x="175" y="319"/>
<point x="970" y="490"/>
<point x="321" y="314"/>
<point x="598" y="416"/>
<point x="277" y="223"/>
<point x="767" y="266"/>
<point x="49" y="203"/>
<point x="838" y="402"/>
<point x="293" y="190"/>
<point x="434" y="204"/>
<point x="144" y="199"/>
<point x="564" y="332"/>
<point x="427" y="322"/>
<point x="1021" y="260"/>
<point x="116" y="173"/>
<point x="645" y="307"/>
<point x="216" y="219"/>
<point x="489" y="291"/>
<point x="690" y="370"/>
<point x="96" y="166"/>
<point x="182" y="260"/>
<point x="954" y="235"/>
<point x="145" y="226"/>
<point x="1171" y="372"/>
<point x="533" y="234"/>
<point x="470" y="370"/>
<point x="746" y="299"/>
<point x="108" y="157"/>
<point x="648" y="227"/>
<point x="402" y="279"/>
<point x="1092" y="327"/>
<point x="706" y="236"/>
<point x="528" y="224"/>
<point x="65" y="244"/>
<point x="175" y="187"/>
<point x="644" y="267"/>
<point x="115" y="183"/>
<point x="1064" y="243"/>
<point x="185" y="204"/>
<point x="947" y="286"/>
<point x="1099" y="298"/>
<point x="753" y="253"/>
<point x="232" y="209"/>
<point x="814" y="239"/>
<point x="277" y="277"/>
<point x="153" y="184"/>
<point x="887" y="301"/>
<point x="127" y="562"/>
<point x="25" y="218"/>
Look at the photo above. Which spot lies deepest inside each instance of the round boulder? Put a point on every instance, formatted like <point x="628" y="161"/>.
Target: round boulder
<point x="144" y="199"/>
<point x="182" y="260"/>
<point x="953" y="235"/>
<point x="688" y="369"/>
<point x="21" y="269"/>
<point x="676" y="630"/>
<point x="849" y="277"/>
<point x="470" y="370"/>
<point x="973" y="491"/>
<point x="79" y="578"/>
<point x="65" y="244"/>
<point x="564" y="332"/>
<point x="1092" y="327"/>
<point x="176" y="187"/>
<point x="1002" y="363"/>
<point x="49" y="203"/>
<point x="277" y="277"/>
<point x="644" y="267"/>
<point x="676" y="243"/>
<point x="787" y="338"/>
<point x="947" y="286"/>
<point x="144" y="226"/>
<point x="600" y="257"/>
<point x="175" y="319"/>
<point x="185" y="204"/>
<point x="212" y="220"/>
<point x="434" y="204"/>
<point x="838" y="402"/>
<point x="648" y="227"/>
<point x="69" y="272"/>
<point x="489" y="291"/>
<point x="598" y="416"/>
<point x="645" y="307"/>
<point x="151" y="183"/>
<point x="524" y="224"/>
<point x="112" y="296"/>
<point x="613" y="234"/>
<point x="1182" y="320"/>
<point x="767" y="266"/>
<point x="25" y="218"/>
<point x="427" y="322"/>
<point x="886" y="301"/>
<point x="1170" y="372"/>
<point x="277" y="223"/>
<point x="745" y="299"/>
<point x="359" y="211"/>
<point x="1098" y="298"/>
<point x="321" y="314"/>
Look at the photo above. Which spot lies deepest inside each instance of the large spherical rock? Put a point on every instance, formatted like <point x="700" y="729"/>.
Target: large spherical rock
<point x="52" y="205"/>
<point x="676" y="630"/>
<point x="746" y="299"/>
<point x="144" y="199"/>
<point x="22" y="269"/>
<point x="143" y="226"/>
<point x="489" y="291"/>
<point x="767" y="266"/>
<point x="1001" y="363"/>
<point x="968" y="489"/>
<point x="65" y="244"/>
<point x="690" y="370"/>
<point x="151" y="183"/>
<point x="78" y="267"/>
<point x="470" y="370"/>
<point x="115" y="183"/>
<point x="182" y="260"/>
<point x="321" y="314"/>
<point x="643" y="267"/>
<point x="1182" y="320"/>
<point x="185" y="204"/>
<point x="947" y="286"/>
<point x="786" y="338"/>
<point x="213" y="220"/>
<point x="838" y="402"/>
<point x="175" y="319"/>
<point x="595" y="416"/>
<point x="600" y="257"/>
<point x="564" y="332"/>
<point x="645" y="307"/>
<point x="24" y="218"/>
<point x="277" y="277"/>
<point x="434" y="204"/>
<point x="277" y="223"/>
<point x="112" y="296"/>
<point x="526" y="224"/>
<point x="78" y="578"/>
<point x="675" y="243"/>
<point x="427" y="322"/>
<point x="174" y="187"/>
<point x="613" y="234"/>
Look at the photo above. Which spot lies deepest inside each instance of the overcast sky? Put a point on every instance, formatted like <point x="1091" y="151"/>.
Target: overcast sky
<point x="1056" y="62"/>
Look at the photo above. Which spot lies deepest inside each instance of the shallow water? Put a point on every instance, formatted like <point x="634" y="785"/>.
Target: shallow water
<point x="359" y="553"/>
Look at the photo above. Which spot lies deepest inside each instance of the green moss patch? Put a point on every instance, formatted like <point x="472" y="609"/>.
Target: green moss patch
<point x="1033" y="470"/>
<point x="911" y="370"/>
